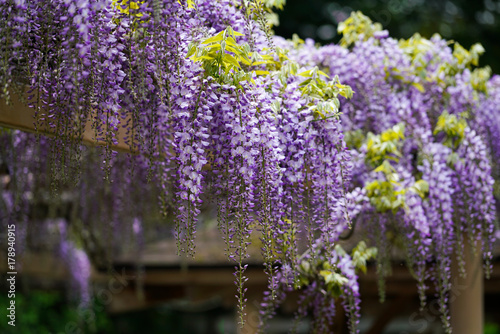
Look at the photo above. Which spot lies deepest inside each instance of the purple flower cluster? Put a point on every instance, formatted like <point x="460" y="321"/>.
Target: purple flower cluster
<point x="415" y="82"/>
<point x="78" y="265"/>
<point x="253" y="146"/>
<point x="321" y="278"/>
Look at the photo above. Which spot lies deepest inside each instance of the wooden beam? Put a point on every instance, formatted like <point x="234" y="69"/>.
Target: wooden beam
<point x="17" y="115"/>
<point x="395" y="307"/>
<point x="195" y="276"/>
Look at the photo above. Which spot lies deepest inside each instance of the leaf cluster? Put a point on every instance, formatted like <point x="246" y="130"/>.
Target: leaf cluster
<point x="479" y="78"/>
<point x="221" y="55"/>
<point x="354" y="139"/>
<point x="127" y="7"/>
<point x="264" y="8"/>
<point x="356" y="27"/>
<point x="383" y="195"/>
<point x="381" y="150"/>
<point x="453" y="128"/>
<point x="329" y="273"/>
<point x="418" y="48"/>
<point x="361" y="254"/>
<point x="323" y="95"/>
<point x="223" y="58"/>
<point x="384" y="146"/>
<point x="465" y="57"/>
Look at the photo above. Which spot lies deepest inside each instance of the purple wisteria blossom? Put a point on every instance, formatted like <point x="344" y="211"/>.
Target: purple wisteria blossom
<point x="217" y="113"/>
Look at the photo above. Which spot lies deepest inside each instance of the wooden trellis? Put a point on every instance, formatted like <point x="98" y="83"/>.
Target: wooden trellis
<point x="466" y="297"/>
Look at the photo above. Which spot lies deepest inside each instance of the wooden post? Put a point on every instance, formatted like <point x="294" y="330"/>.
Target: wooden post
<point x="466" y="296"/>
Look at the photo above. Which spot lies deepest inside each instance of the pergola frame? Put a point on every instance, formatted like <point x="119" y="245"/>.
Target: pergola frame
<point x="466" y="296"/>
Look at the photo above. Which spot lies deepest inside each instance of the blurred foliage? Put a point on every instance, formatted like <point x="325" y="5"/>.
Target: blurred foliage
<point x="491" y="328"/>
<point x="50" y="312"/>
<point x="466" y="22"/>
<point x="44" y="312"/>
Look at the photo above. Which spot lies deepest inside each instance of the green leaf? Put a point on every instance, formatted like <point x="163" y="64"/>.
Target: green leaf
<point x="385" y="167"/>
<point x="230" y="41"/>
<point x="305" y="73"/>
<point x="361" y="254"/>
<point x="214" y="39"/>
<point x="422" y="186"/>
<point x="418" y="86"/>
<point x="261" y="62"/>
<point x="305" y="266"/>
<point x="231" y="60"/>
<point x="276" y="106"/>
<point x="323" y="74"/>
<point x="258" y="72"/>
<point x="452" y="159"/>
<point x="339" y="250"/>
<point x="326" y="274"/>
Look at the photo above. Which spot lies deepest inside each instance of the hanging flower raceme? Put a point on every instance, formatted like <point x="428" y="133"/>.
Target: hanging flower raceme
<point x="297" y="143"/>
<point x="417" y="127"/>
<point x="196" y="95"/>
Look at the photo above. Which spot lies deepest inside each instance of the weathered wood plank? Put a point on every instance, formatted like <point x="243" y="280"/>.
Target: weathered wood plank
<point x="18" y="115"/>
